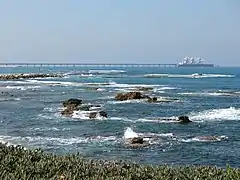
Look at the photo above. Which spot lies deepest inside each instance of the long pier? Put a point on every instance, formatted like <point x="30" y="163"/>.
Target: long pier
<point x="85" y="65"/>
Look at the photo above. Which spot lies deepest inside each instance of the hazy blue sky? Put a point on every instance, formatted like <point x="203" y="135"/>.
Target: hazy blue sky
<point x="137" y="31"/>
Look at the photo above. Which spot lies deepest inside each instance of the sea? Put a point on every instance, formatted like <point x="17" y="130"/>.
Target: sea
<point x="210" y="97"/>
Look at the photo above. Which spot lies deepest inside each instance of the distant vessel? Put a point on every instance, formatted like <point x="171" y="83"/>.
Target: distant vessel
<point x="193" y="62"/>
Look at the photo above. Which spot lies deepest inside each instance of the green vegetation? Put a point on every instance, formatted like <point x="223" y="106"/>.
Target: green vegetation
<point x="18" y="163"/>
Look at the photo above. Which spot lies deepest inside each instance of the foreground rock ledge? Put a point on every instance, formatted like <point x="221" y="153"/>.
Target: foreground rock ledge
<point x="27" y="76"/>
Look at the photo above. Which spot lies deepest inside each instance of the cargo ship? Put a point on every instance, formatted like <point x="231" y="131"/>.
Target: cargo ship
<point x="194" y="62"/>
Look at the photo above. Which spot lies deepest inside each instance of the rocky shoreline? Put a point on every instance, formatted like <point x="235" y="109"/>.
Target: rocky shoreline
<point x="27" y="76"/>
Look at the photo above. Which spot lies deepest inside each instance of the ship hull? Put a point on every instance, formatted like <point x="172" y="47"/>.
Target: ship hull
<point x="196" y="65"/>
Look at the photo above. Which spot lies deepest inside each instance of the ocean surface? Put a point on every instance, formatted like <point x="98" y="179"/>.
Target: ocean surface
<point x="31" y="113"/>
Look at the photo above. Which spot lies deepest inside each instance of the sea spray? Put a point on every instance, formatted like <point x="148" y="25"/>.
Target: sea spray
<point x="129" y="133"/>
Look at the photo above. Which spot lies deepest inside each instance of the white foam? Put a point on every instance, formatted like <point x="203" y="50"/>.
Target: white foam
<point x="86" y="75"/>
<point x="23" y="88"/>
<point x="129" y="133"/>
<point x="49" y="109"/>
<point x="165" y="88"/>
<point x="159" y="120"/>
<point x="127" y="101"/>
<point x="14" y="82"/>
<point x="85" y="115"/>
<point x="113" y="71"/>
<point x="65" y="83"/>
<point x="231" y="113"/>
<point x="116" y="85"/>
<point x="49" y="129"/>
<point x="120" y="119"/>
<point x="195" y="75"/>
<point x="38" y="140"/>
<point x="200" y="139"/>
<point x="101" y="89"/>
<point x="219" y="93"/>
<point x="156" y="134"/>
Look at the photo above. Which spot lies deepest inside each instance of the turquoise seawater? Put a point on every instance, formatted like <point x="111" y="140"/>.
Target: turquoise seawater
<point x="30" y="113"/>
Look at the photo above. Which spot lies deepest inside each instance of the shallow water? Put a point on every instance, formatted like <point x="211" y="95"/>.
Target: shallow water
<point x="30" y="113"/>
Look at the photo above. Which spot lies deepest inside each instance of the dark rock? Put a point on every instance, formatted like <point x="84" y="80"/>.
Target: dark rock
<point x="154" y="99"/>
<point x="93" y="115"/>
<point x="103" y="114"/>
<point x="128" y="96"/>
<point x="72" y="102"/>
<point x="136" y="140"/>
<point x="67" y="112"/>
<point x="184" y="119"/>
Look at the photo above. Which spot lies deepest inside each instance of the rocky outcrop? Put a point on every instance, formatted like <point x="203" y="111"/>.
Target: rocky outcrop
<point x="72" y="105"/>
<point x="136" y="142"/>
<point x="72" y="102"/>
<point x="26" y="76"/>
<point x="139" y="95"/>
<point x="183" y="119"/>
<point x="129" y="96"/>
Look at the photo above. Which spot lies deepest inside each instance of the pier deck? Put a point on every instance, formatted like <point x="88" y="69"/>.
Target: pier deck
<point x="86" y="65"/>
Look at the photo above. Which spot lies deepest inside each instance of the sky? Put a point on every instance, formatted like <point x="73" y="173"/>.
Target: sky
<point x="120" y="31"/>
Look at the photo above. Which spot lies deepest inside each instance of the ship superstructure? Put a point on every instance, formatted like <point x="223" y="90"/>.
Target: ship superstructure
<point x="194" y="62"/>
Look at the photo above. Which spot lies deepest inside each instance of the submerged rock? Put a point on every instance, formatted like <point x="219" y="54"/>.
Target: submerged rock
<point x="154" y="99"/>
<point x="145" y="88"/>
<point x="209" y="138"/>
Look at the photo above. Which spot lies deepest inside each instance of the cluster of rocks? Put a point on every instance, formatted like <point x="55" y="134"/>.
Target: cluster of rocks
<point x="26" y="76"/>
<point x="129" y="96"/>
<point x="139" y="95"/>
<point x="6" y="94"/>
<point x="138" y="142"/>
<point x="72" y="105"/>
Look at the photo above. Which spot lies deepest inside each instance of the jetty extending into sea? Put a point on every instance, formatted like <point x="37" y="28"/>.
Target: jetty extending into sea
<point x="84" y="65"/>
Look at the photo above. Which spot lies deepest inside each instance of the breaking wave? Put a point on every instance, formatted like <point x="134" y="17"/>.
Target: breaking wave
<point x="38" y="140"/>
<point x="204" y="139"/>
<point x="231" y="113"/>
<point x="195" y="75"/>
<point x="113" y="71"/>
